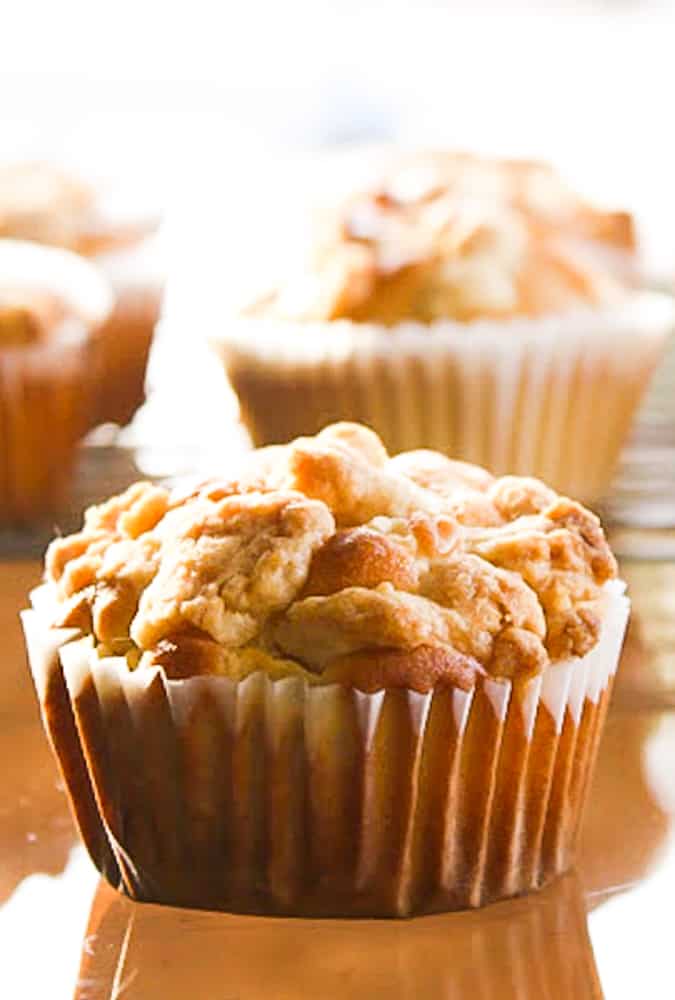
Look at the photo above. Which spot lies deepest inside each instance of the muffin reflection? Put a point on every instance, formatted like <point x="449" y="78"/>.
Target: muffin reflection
<point x="36" y="832"/>
<point x="622" y="798"/>
<point x="524" y="949"/>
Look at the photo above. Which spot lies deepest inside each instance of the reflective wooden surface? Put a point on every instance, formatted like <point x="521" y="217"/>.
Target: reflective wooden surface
<point x="604" y="930"/>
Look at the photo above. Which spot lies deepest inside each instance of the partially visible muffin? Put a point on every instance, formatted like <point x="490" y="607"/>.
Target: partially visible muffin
<point x="470" y="305"/>
<point x="43" y="203"/>
<point x="533" y="188"/>
<point x="52" y="307"/>
<point x="398" y="636"/>
<point x="458" y="237"/>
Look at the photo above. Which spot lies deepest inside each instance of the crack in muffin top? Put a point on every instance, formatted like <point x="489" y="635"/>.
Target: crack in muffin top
<point x="328" y="559"/>
<point x="456" y="236"/>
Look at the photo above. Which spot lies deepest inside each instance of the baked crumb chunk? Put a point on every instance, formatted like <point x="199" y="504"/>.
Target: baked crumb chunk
<point x="328" y="560"/>
<point x="230" y="565"/>
<point x="353" y="488"/>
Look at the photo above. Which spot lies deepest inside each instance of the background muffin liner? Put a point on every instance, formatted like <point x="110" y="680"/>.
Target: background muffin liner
<point x="552" y="397"/>
<point x="47" y="389"/>
<point x="47" y="397"/>
<point x="279" y="797"/>
<point x="136" y="274"/>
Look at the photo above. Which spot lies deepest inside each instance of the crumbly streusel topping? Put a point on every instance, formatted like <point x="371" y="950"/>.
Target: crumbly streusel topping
<point x="327" y="558"/>
<point x="453" y="236"/>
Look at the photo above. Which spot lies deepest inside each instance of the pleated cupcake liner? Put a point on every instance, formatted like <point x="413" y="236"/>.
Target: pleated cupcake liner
<point x="124" y="344"/>
<point x="518" y="950"/>
<point x="47" y="397"/>
<point x="552" y="397"/>
<point x="284" y="797"/>
<point x="47" y="388"/>
<point x="137" y="276"/>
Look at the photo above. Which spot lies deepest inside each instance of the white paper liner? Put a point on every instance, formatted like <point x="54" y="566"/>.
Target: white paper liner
<point x="47" y="388"/>
<point x="552" y="397"/>
<point x="47" y="398"/>
<point x="278" y="797"/>
<point x="137" y="275"/>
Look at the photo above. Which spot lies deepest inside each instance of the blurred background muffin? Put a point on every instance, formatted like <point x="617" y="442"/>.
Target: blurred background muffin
<point x="52" y="307"/>
<point x="471" y="305"/>
<point x="42" y="202"/>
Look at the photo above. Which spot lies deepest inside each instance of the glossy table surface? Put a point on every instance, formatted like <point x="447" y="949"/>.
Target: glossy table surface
<point x="605" y="929"/>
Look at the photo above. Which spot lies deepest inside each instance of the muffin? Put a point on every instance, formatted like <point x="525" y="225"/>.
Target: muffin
<point x="333" y="682"/>
<point x="52" y="306"/>
<point x="43" y="203"/>
<point x="476" y="307"/>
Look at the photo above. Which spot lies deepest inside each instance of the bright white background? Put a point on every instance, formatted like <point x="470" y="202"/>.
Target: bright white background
<point x="177" y="92"/>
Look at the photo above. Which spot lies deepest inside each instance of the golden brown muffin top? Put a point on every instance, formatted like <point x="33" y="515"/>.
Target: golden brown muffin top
<point x="46" y="204"/>
<point x="329" y="559"/>
<point x="19" y="326"/>
<point x="455" y="236"/>
<point x="28" y="317"/>
<point x="48" y="294"/>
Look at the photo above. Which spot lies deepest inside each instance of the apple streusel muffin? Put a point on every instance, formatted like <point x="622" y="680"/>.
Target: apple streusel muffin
<point x="333" y="683"/>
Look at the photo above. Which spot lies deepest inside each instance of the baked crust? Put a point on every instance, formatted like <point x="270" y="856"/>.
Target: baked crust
<point x="48" y="295"/>
<point x="419" y="669"/>
<point x="328" y="559"/>
<point x="42" y="203"/>
<point x="455" y="236"/>
<point x="18" y="325"/>
<point x="45" y="204"/>
<point x="30" y="315"/>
